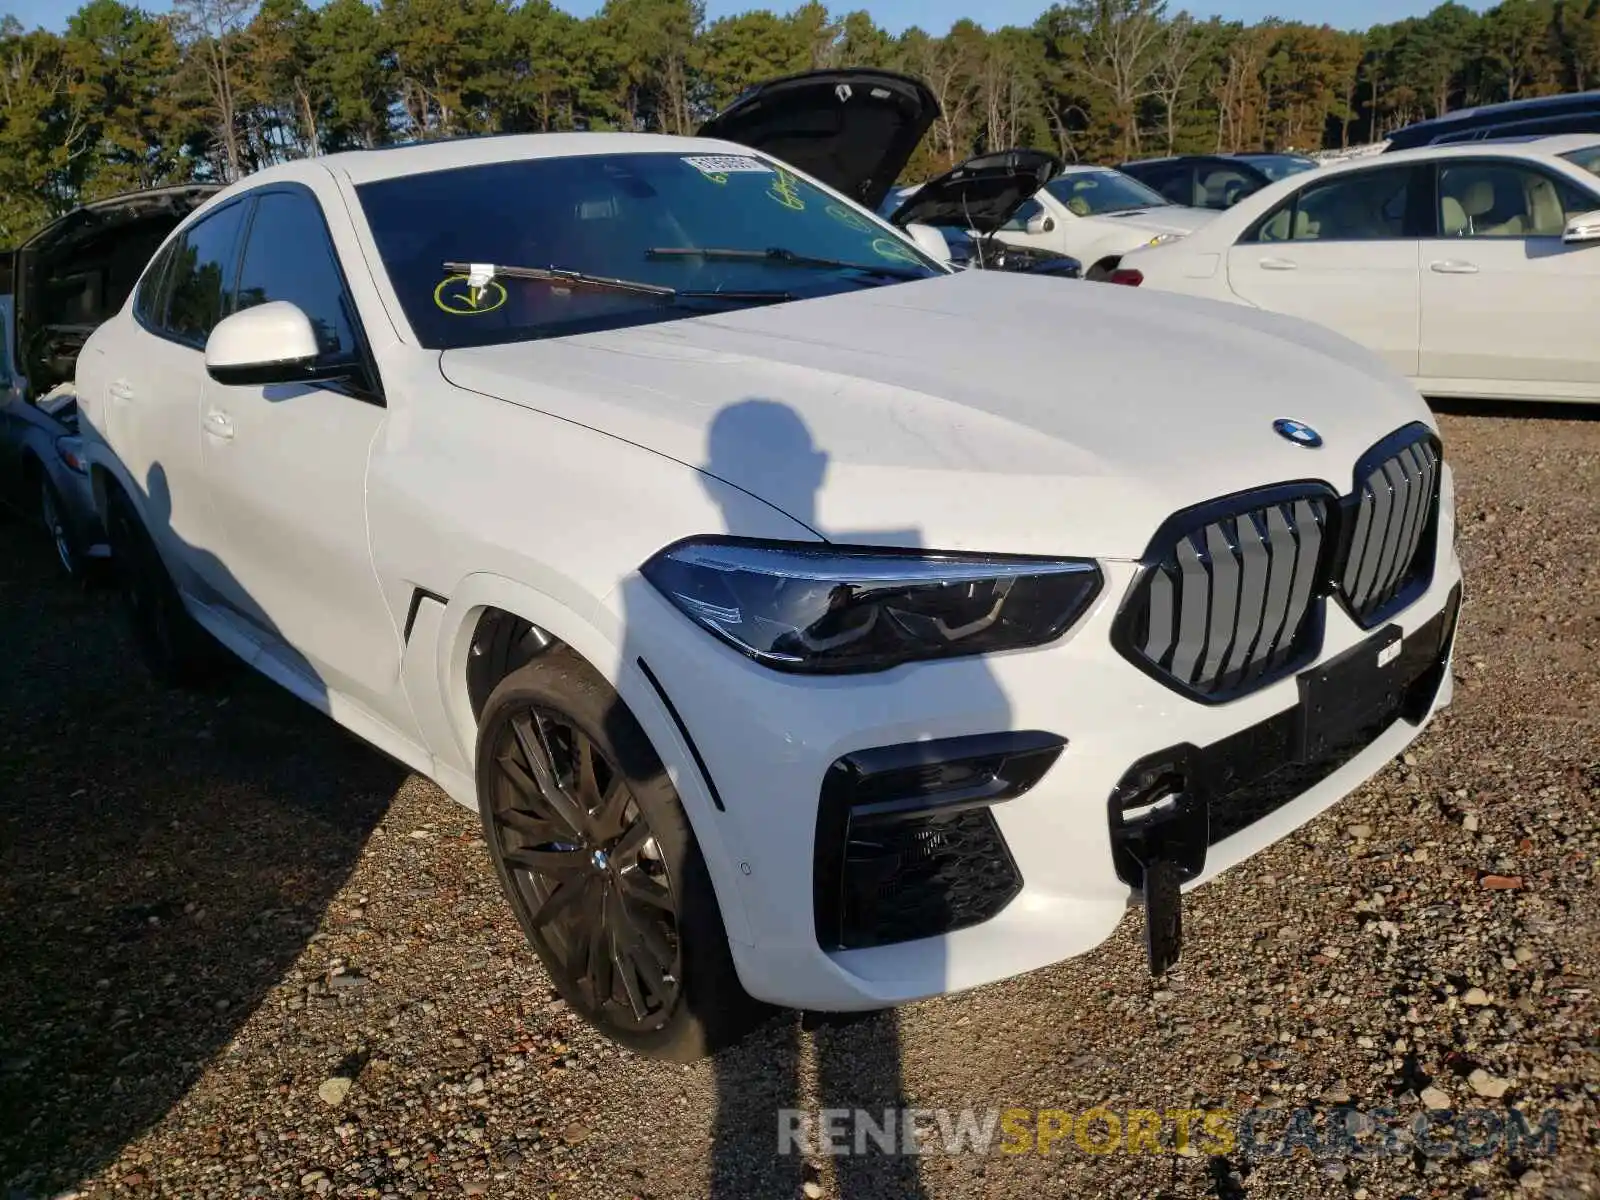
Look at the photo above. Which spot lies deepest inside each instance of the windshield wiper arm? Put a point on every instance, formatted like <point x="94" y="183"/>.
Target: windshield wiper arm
<point x="631" y="286"/>
<point x="781" y="257"/>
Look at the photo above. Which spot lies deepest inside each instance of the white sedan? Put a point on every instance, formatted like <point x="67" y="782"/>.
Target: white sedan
<point x="1095" y="215"/>
<point x="809" y="622"/>
<point x="1473" y="270"/>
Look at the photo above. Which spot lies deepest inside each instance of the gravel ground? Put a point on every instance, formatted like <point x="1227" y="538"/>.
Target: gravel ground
<point x="244" y="955"/>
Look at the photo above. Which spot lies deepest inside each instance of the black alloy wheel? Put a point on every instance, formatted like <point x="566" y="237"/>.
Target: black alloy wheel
<point x="589" y="875"/>
<point x="601" y="865"/>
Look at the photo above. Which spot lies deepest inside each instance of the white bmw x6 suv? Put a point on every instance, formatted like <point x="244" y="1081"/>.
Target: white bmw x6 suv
<point x="811" y="624"/>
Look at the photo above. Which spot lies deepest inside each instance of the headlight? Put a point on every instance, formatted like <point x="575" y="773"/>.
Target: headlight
<point x="821" y="609"/>
<point x="70" y="451"/>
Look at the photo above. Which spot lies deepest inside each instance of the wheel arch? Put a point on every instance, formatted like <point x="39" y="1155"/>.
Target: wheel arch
<point x="491" y="625"/>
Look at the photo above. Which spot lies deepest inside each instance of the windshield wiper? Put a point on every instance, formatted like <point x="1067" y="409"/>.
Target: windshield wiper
<point x="630" y="286"/>
<point x="782" y="257"/>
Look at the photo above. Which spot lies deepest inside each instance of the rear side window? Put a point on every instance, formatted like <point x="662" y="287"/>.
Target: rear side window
<point x="201" y="275"/>
<point x="1358" y="206"/>
<point x="288" y="257"/>
<point x="1174" y="181"/>
<point x="150" y="305"/>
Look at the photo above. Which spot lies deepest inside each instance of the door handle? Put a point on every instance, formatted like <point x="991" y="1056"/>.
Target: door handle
<point x="120" y="390"/>
<point x="219" y="424"/>
<point x="1453" y="266"/>
<point x="1277" y="264"/>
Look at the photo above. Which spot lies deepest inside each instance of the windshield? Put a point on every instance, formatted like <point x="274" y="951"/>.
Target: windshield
<point x="1588" y="158"/>
<point x="610" y="216"/>
<point x="1278" y="166"/>
<point x="1091" y="193"/>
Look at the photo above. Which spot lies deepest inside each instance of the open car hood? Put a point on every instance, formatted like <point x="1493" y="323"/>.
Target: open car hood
<point x="980" y="194"/>
<point x="855" y="129"/>
<point x="78" y="271"/>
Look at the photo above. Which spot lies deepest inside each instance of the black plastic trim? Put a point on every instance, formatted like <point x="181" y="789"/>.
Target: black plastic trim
<point x="683" y="731"/>
<point x="418" y="595"/>
<point x="862" y="784"/>
<point x="1225" y="787"/>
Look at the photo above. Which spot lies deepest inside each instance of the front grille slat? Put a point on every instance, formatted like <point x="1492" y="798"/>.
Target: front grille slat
<point x="1233" y="601"/>
<point x="1400" y="500"/>
<point x="1411" y="470"/>
<point x="1224" y="603"/>
<point x="1252" y="594"/>
<point x="1382" y="505"/>
<point x="1280" y="539"/>
<point x="1192" y="598"/>
<point x="1308" y="530"/>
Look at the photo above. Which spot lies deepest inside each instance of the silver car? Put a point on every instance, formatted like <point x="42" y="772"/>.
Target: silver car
<point x="55" y="289"/>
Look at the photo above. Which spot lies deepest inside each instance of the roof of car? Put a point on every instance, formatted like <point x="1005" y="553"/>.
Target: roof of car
<point x="415" y="158"/>
<point x="1543" y="147"/>
<point x="1082" y="169"/>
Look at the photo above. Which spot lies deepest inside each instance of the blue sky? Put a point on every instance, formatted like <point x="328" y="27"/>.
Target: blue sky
<point x="933" y="15"/>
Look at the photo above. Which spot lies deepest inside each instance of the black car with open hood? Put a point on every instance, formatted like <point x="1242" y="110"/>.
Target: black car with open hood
<point x="855" y="129"/>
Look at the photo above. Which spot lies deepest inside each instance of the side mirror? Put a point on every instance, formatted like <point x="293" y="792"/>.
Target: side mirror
<point x="1041" y="222"/>
<point x="930" y="241"/>
<point x="1585" y="227"/>
<point x="268" y="343"/>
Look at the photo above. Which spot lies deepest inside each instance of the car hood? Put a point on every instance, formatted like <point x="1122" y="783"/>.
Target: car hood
<point x="982" y="193"/>
<point x="984" y="410"/>
<point x="1168" y="218"/>
<point x="123" y="229"/>
<point x="855" y="129"/>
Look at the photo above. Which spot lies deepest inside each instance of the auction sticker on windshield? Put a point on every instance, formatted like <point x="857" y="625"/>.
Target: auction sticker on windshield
<point x="727" y="164"/>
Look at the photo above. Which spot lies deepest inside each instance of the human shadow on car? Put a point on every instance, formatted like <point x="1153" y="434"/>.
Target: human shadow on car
<point x="760" y="1083"/>
<point x="166" y="857"/>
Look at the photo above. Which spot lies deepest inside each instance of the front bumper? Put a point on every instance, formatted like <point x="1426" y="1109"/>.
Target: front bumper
<point x="769" y="740"/>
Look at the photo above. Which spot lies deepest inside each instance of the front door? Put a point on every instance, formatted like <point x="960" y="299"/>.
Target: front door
<point x="287" y="467"/>
<point x="1341" y="252"/>
<point x="1507" y="306"/>
<point x="151" y="388"/>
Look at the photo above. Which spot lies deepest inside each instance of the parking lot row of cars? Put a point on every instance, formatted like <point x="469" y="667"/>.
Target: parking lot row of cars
<point x="813" y="620"/>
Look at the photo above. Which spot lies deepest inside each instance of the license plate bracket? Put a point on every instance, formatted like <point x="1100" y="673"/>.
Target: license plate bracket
<point x="1346" y="694"/>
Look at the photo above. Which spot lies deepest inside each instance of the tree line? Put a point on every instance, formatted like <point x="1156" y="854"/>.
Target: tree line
<point x="124" y="99"/>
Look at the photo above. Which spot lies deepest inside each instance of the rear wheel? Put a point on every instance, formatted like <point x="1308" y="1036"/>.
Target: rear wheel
<point x="600" y="865"/>
<point x="175" y="649"/>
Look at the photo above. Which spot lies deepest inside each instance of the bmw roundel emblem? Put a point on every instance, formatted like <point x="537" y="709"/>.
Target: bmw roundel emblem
<point x="1297" y="432"/>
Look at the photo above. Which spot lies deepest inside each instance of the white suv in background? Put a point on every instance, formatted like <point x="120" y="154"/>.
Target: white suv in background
<point x="809" y="623"/>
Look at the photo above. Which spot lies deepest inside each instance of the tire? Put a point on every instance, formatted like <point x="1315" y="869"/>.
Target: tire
<point x="606" y="879"/>
<point x="1101" y="271"/>
<point x="52" y="515"/>
<point x="175" y="649"/>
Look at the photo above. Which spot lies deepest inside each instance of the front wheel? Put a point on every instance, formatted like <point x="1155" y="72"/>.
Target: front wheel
<point x="600" y="865"/>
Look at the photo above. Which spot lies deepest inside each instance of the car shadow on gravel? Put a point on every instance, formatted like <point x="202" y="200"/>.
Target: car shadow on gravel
<point x="165" y="857"/>
<point x="857" y="1097"/>
<point x="1530" y="410"/>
